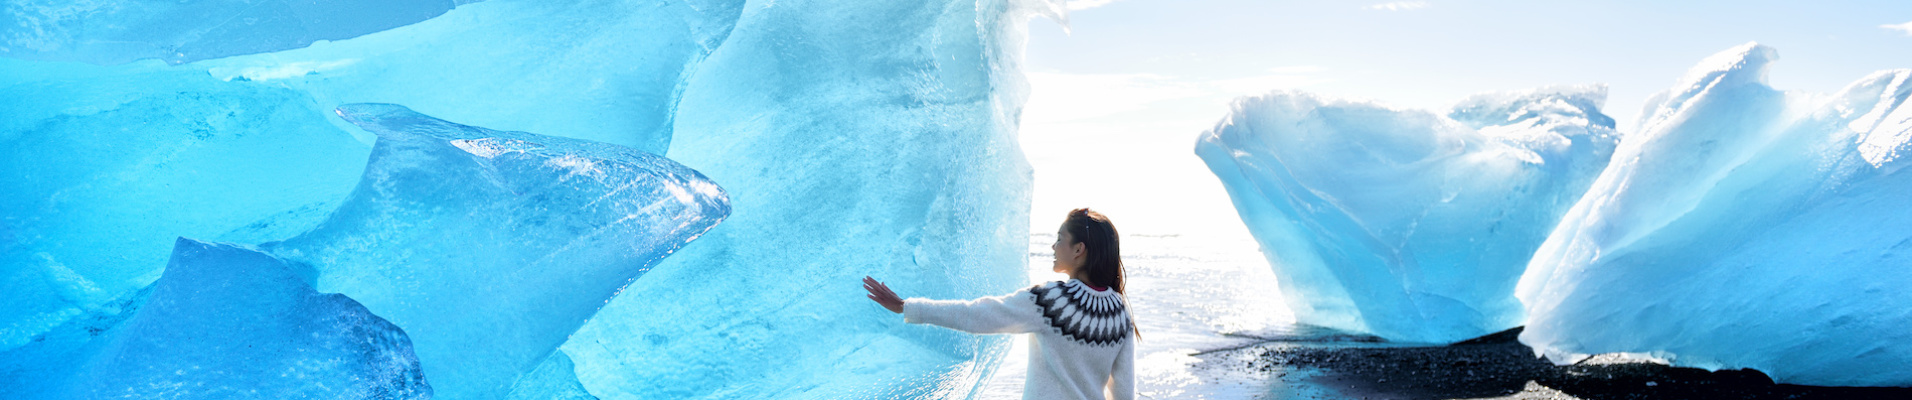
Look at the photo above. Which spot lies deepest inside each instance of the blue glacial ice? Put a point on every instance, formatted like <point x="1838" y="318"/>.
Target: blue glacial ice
<point x="490" y="248"/>
<point x="1406" y="224"/>
<point x="889" y="143"/>
<point x="223" y="321"/>
<point x="554" y="379"/>
<point x="114" y="32"/>
<point x="1743" y="227"/>
<point x="103" y="167"/>
<point x="603" y="70"/>
<point x="245" y="148"/>
<point x="884" y="147"/>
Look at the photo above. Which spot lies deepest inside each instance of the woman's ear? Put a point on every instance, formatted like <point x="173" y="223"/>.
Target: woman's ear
<point x="1077" y="250"/>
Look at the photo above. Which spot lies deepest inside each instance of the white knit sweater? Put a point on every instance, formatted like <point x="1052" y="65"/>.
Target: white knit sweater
<point x="1082" y="347"/>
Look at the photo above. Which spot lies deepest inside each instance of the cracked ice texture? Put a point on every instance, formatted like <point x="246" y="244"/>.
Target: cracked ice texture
<point x="224" y="321"/>
<point x="884" y="147"/>
<point x="1405" y="224"/>
<point x="1743" y="227"/>
<point x="490" y="248"/>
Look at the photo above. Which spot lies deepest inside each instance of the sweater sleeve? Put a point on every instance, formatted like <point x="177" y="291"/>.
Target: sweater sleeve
<point x="1012" y="313"/>
<point x="1122" y="377"/>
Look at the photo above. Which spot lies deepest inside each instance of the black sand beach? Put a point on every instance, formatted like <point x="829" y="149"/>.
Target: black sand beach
<point x="1492" y="367"/>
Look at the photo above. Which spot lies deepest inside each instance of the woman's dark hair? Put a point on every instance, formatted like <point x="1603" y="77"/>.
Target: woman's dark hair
<point x="1098" y="237"/>
<point x="1104" y="248"/>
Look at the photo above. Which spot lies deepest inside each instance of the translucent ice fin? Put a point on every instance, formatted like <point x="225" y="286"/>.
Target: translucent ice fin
<point x="490" y="258"/>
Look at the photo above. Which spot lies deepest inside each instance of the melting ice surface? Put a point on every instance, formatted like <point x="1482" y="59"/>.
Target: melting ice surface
<point x="1405" y="224"/>
<point x="1743" y="227"/>
<point x="884" y="147"/>
<point x="224" y="321"/>
<point x="489" y="248"/>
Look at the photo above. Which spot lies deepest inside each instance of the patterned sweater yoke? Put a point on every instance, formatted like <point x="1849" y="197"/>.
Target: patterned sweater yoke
<point x="1081" y="344"/>
<point x="1083" y="314"/>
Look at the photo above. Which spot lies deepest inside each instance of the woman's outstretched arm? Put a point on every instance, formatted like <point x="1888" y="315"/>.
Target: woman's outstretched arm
<point x="1012" y="313"/>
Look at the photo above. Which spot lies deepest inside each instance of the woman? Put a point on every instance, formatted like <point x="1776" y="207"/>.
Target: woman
<point x="1083" y="345"/>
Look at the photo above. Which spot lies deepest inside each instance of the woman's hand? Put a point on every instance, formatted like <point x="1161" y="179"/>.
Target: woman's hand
<point x="882" y="295"/>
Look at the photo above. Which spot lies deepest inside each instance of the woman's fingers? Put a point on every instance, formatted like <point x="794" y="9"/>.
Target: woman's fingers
<point x="875" y="287"/>
<point x="882" y="295"/>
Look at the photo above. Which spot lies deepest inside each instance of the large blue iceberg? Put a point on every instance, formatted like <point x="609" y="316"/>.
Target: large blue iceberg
<point x="1743" y="227"/>
<point x="224" y="321"/>
<point x="884" y="147"/>
<point x="1406" y="224"/>
<point x="855" y="139"/>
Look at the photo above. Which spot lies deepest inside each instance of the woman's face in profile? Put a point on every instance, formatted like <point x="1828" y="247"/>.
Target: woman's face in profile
<point x="1063" y="251"/>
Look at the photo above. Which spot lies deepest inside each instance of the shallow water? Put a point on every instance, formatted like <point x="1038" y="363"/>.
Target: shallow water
<point x="1190" y="295"/>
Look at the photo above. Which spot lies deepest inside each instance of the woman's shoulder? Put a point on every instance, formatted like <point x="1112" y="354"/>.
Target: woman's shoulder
<point x="1046" y="285"/>
<point x="1071" y="286"/>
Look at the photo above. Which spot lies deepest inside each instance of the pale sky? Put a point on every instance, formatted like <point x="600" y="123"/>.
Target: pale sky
<point x="1117" y="102"/>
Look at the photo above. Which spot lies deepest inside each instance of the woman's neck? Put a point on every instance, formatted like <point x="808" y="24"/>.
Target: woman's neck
<point x="1080" y="275"/>
<point x="1084" y="277"/>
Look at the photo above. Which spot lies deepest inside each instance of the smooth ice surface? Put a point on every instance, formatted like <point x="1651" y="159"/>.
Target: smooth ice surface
<point x="1405" y="224"/>
<point x="224" y="321"/>
<point x="552" y="380"/>
<point x="102" y="167"/>
<point x="855" y="138"/>
<point x="603" y="70"/>
<point x="113" y="32"/>
<point x="490" y="247"/>
<point x="1743" y="227"/>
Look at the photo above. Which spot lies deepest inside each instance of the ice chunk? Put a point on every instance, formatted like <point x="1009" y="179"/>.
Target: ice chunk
<point x="1402" y="223"/>
<point x="1743" y="227"/>
<point x="603" y="70"/>
<point x="102" y="167"/>
<point x="114" y="32"/>
<point x="552" y="380"/>
<point x="884" y="146"/>
<point x="225" y="321"/>
<point x="490" y="247"/>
